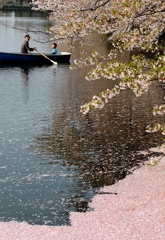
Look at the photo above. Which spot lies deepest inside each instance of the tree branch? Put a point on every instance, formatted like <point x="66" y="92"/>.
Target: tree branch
<point x="96" y="7"/>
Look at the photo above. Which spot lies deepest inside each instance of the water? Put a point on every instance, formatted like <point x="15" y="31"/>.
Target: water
<point x="52" y="158"/>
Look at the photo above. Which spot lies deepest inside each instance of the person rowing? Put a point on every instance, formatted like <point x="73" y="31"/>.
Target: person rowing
<point x="25" y="49"/>
<point x="25" y="45"/>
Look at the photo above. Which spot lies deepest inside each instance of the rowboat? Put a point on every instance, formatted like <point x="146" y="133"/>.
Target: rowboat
<point x="34" y="58"/>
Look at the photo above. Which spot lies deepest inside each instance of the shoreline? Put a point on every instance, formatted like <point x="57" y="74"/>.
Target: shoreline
<point x="131" y="209"/>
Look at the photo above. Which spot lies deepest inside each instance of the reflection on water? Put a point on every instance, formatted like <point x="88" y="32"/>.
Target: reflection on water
<point x="53" y="158"/>
<point x="103" y="146"/>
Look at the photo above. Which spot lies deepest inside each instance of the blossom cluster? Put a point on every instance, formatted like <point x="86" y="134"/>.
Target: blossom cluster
<point x="154" y="161"/>
<point x="137" y="75"/>
<point x="159" y="110"/>
<point x="158" y="127"/>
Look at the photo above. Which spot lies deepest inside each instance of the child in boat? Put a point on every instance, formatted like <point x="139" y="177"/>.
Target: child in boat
<point x="54" y="50"/>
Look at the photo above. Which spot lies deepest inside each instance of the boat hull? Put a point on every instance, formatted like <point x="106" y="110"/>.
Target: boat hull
<point x="34" y="58"/>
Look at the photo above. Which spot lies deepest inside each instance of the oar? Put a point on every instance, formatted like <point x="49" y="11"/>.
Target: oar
<point x="55" y="63"/>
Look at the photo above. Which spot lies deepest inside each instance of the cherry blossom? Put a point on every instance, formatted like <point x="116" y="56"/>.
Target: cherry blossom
<point x="136" y="26"/>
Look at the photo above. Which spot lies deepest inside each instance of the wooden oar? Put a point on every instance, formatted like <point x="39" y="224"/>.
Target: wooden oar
<point x="55" y="63"/>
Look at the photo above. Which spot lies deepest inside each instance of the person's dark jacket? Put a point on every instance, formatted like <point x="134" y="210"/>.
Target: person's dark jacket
<point x="25" y="47"/>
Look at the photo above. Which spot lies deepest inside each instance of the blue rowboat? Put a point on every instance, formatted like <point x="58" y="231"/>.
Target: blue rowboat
<point x="33" y="58"/>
